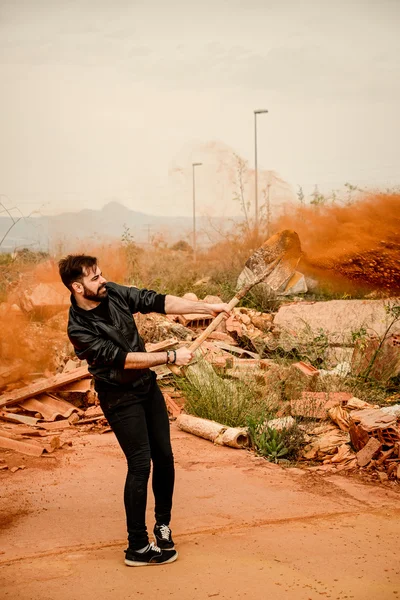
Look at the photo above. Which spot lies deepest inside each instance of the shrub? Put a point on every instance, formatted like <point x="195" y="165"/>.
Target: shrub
<point x="229" y="402"/>
<point x="273" y="444"/>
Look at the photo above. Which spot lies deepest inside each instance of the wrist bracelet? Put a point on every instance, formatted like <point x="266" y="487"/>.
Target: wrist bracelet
<point x="174" y="351"/>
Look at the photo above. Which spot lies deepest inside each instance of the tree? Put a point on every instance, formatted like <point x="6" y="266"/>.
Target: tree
<point x="241" y="177"/>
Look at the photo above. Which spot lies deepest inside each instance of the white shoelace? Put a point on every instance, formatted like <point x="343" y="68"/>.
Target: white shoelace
<point x="165" y="532"/>
<point x="155" y="548"/>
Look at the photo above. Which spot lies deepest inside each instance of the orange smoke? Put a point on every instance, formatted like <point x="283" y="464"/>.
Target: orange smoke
<point x="354" y="247"/>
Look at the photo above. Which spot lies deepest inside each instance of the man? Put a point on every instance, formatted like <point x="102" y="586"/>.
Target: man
<point x="103" y="331"/>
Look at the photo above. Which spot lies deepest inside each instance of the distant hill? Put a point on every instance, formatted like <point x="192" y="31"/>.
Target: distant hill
<point x="109" y="223"/>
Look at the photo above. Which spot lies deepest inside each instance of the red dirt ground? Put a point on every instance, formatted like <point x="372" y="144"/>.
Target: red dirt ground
<point x="243" y="528"/>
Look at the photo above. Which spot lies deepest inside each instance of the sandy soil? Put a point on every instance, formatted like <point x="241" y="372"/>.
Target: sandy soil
<point x="243" y="528"/>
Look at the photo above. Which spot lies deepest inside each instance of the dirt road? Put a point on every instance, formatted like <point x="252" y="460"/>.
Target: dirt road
<point x="243" y="528"/>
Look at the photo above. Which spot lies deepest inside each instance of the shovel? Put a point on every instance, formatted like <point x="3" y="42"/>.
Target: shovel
<point x="273" y="264"/>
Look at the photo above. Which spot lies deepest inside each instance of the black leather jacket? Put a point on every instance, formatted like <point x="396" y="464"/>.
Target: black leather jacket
<point x="104" y="339"/>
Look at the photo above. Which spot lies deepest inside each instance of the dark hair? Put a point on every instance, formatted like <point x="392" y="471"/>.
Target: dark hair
<point x="71" y="268"/>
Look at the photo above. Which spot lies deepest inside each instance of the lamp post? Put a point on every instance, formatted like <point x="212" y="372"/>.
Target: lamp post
<point x="194" y="165"/>
<point x="256" y="112"/>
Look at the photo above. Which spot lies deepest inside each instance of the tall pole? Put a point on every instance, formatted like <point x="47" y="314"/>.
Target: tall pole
<point x="256" y="112"/>
<point x="194" y="208"/>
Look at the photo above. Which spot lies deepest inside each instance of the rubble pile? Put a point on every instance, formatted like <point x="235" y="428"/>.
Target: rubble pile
<point x="359" y="436"/>
<point x="38" y="416"/>
<point x="37" y="419"/>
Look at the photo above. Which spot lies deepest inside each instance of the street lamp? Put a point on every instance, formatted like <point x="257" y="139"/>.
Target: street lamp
<point x="256" y="112"/>
<point x="194" y="165"/>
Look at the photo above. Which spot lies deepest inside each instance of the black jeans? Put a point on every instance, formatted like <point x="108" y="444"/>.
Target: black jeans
<point x="140" y="422"/>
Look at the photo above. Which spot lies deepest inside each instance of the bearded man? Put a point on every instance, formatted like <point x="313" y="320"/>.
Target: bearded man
<point x="103" y="332"/>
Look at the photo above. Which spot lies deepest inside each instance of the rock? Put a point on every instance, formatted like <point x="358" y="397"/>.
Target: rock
<point x="279" y="424"/>
<point x="338" y="319"/>
<point x="245" y="319"/>
<point x="262" y="321"/>
<point x="296" y="471"/>
<point x="383" y="478"/>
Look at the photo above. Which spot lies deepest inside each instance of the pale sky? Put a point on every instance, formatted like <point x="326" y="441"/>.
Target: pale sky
<point x="106" y="99"/>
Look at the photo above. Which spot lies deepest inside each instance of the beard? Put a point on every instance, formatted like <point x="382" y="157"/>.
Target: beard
<point x="99" y="296"/>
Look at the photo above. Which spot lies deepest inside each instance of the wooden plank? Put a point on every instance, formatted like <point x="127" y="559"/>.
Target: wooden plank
<point x="44" y="385"/>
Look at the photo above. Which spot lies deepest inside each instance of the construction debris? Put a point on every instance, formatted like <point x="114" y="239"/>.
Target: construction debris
<point x="377" y="358"/>
<point x="366" y="454"/>
<point x="214" y="432"/>
<point x="43" y="386"/>
<point x="342" y="432"/>
<point x="26" y="447"/>
<point x="49" y="407"/>
<point x="373" y="423"/>
<point x="174" y="410"/>
<point x="325" y="444"/>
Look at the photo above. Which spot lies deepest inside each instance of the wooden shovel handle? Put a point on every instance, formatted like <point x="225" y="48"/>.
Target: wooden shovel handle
<point x="212" y="326"/>
<point x="219" y="318"/>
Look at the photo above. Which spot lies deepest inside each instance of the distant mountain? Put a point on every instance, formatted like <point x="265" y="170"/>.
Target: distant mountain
<point x="109" y="223"/>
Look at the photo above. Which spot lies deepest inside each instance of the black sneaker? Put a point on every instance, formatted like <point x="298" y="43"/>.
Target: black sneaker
<point x="152" y="556"/>
<point x="163" y="537"/>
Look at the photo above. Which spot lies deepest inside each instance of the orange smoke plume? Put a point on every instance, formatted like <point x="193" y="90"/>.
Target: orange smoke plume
<point x="352" y="247"/>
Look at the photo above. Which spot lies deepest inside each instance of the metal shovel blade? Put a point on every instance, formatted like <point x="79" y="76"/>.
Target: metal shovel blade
<point x="274" y="262"/>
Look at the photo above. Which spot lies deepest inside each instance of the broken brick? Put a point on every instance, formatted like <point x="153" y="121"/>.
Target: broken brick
<point x="366" y="454"/>
<point x="306" y="369"/>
